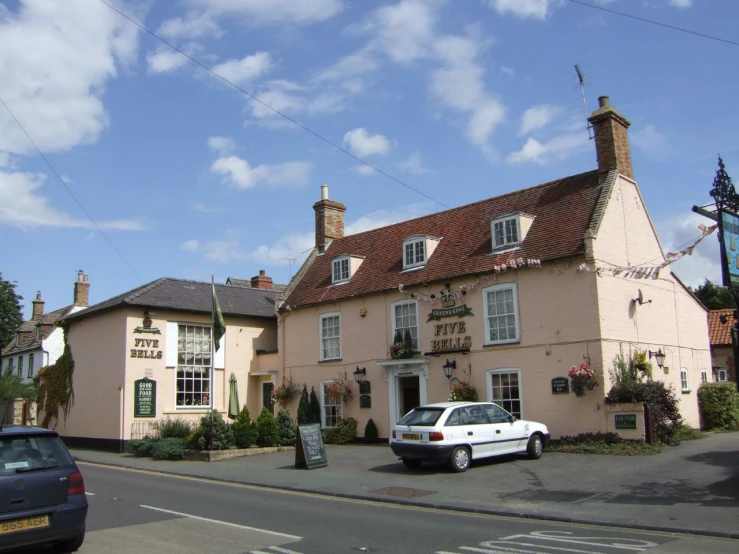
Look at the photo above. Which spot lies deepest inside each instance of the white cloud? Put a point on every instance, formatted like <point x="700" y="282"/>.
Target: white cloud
<point x="364" y="170"/>
<point x="508" y="72"/>
<point x="202" y="208"/>
<point x="649" y="140"/>
<point x="66" y="179"/>
<point x="559" y="147"/>
<point x="190" y="245"/>
<point x="56" y="59"/>
<point x="382" y="218"/>
<point x="682" y="4"/>
<point x="537" y="117"/>
<point x="291" y="99"/>
<point x="246" y="69"/>
<point x="164" y="59"/>
<point x="362" y="144"/>
<point x="414" y="164"/>
<point x="403" y="31"/>
<point x="535" y="9"/>
<point x="705" y="262"/>
<point x="240" y="174"/>
<point x="22" y="206"/>
<point x="202" y="15"/>
<point x="222" y="145"/>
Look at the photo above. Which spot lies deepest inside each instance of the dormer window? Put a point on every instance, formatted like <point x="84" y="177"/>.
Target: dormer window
<point x="509" y="230"/>
<point x="417" y="249"/>
<point x="341" y="270"/>
<point x="343" y="267"/>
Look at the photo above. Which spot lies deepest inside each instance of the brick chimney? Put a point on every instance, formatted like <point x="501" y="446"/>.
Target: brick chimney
<point x="38" y="307"/>
<point x="329" y="220"/>
<point x="611" y="139"/>
<point x="261" y="281"/>
<point x="82" y="290"/>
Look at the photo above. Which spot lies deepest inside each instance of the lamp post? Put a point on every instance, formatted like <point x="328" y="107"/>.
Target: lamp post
<point x="659" y="356"/>
<point x="359" y="374"/>
<point x="448" y="367"/>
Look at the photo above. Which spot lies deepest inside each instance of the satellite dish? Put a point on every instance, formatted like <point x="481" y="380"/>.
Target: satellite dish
<point x="640" y="299"/>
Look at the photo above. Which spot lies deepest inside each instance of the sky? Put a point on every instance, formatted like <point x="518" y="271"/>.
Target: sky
<point x="159" y="167"/>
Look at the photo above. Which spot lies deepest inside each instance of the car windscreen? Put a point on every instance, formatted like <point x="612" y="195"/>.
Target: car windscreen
<point x="422" y="416"/>
<point x="22" y="453"/>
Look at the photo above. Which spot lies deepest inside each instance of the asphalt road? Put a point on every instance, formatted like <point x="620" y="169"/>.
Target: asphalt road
<point x="134" y="512"/>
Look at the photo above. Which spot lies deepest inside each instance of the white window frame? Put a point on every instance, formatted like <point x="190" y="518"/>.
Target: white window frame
<point x="339" y="407"/>
<point x="505" y="371"/>
<point x="205" y="368"/>
<point x="495" y="288"/>
<point x="684" y="385"/>
<point x="704" y="376"/>
<point x="723" y="375"/>
<point x="393" y="322"/>
<point x="414" y="241"/>
<point x="31" y="361"/>
<point x="506" y="243"/>
<point x="321" y="338"/>
<point x="340" y="262"/>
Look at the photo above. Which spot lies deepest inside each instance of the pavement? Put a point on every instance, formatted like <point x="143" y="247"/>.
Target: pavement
<point x="691" y="488"/>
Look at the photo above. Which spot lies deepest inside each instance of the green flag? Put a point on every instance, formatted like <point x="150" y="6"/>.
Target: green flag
<point x="219" y="326"/>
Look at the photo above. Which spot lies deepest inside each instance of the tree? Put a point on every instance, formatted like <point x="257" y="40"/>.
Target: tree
<point x="11" y="311"/>
<point x="714" y="297"/>
<point x="13" y="388"/>
<point x="303" y="417"/>
<point x="314" y="408"/>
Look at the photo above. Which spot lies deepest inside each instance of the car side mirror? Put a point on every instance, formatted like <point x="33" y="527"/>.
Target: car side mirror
<point x="511" y="418"/>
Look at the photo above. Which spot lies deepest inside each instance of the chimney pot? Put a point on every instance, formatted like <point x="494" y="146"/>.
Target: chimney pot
<point x="82" y="290"/>
<point x="603" y="101"/>
<point x="38" y="307"/>
<point x="261" y="281"/>
<point x="329" y="220"/>
<point x="262" y="272"/>
<point x="611" y="139"/>
<point x="324" y="192"/>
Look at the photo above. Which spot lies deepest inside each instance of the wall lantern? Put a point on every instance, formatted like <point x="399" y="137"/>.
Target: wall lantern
<point x="659" y="356"/>
<point x="448" y="367"/>
<point x="360" y="372"/>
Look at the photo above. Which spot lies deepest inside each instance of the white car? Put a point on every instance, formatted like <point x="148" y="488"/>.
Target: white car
<point x="458" y="432"/>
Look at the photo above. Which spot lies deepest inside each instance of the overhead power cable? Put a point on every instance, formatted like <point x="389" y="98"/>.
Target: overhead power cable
<point x="652" y="22"/>
<point x="276" y="111"/>
<point x="59" y="178"/>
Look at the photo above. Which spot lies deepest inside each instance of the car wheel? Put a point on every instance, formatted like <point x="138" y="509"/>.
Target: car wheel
<point x="460" y="459"/>
<point x="70" y="545"/>
<point x="412" y="463"/>
<point x="535" y="446"/>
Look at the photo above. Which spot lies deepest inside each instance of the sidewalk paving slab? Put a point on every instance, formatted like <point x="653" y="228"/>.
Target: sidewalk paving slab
<point x="692" y="488"/>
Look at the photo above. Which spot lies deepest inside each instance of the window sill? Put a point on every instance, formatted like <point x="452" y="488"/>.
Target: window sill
<point x="686" y="391"/>
<point x="503" y="343"/>
<point x="342" y="282"/>
<point x="506" y="248"/>
<point x="328" y="361"/>
<point x="413" y="268"/>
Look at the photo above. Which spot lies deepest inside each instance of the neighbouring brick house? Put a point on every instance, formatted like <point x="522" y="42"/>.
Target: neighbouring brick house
<point x="507" y="293"/>
<point x="720" y="323"/>
<point x="39" y="342"/>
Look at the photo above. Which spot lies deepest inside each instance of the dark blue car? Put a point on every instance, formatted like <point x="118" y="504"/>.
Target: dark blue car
<point x="42" y="494"/>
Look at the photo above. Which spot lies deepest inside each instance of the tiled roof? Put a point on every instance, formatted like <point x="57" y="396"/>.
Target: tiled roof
<point x="563" y="210"/>
<point x="190" y="296"/>
<point x="27" y="330"/>
<point x="247" y="283"/>
<point x="720" y="332"/>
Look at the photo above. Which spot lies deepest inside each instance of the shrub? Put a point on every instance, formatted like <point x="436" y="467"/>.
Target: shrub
<point x="244" y="429"/>
<point x="221" y="432"/>
<point x="687" y="433"/>
<point x="286" y="428"/>
<point x="140" y="447"/>
<point x="719" y="406"/>
<point x="303" y="411"/>
<point x="267" y="432"/>
<point x="343" y="432"/>
<point x="314" y="408"/>
<point x="168" y="449"/>
<point x="604" y="444"/>
<point x="173" y="428"/>
<point x="370" y="432"/>
<point x="662" y="401"/>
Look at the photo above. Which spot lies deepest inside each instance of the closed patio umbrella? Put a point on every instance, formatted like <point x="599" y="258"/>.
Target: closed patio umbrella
<point x="233" y="398"/>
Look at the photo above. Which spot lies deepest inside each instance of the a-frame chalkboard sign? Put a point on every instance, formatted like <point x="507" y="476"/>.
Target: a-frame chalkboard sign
<point x="309" y="449"/>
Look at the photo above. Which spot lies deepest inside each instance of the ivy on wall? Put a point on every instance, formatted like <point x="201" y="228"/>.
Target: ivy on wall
<point x="55" y="387"/>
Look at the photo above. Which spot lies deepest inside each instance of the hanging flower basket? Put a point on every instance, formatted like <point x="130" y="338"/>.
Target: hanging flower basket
<point x="582" y="378"/>
<point x="339" y="389"/>
<point x="463" y="392"/>
<point x="284" y="394"/>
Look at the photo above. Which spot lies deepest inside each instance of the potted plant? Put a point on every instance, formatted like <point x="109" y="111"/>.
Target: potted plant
<point x="463" y="392"/>
<point x="285" y="393"/>
<point x="339" y="389"/>
<point x="402" y="347"/>
<point x="582" y="378"/>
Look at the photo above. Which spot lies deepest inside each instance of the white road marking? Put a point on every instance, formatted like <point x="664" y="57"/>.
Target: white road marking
<point x="227" y="523"/>
<point x="566" y="536"/>
<point x="89" y="493"/>
<point x="283" y="550"/>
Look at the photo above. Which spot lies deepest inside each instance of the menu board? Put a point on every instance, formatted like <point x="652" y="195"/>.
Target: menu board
<point x="145" y="398"/>
<point x="309" y="449"/>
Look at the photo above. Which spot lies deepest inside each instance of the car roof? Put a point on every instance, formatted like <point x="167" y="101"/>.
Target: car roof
<point x="445" y="405"/>
<point x="7" y="430"/>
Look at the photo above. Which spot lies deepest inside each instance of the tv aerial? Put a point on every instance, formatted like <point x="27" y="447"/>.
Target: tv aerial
<point x="582" y="81"/>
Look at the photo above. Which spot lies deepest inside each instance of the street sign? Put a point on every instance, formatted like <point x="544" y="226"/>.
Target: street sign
<point x="560" y="385"/>
<point x="625" y="421"/>
<point x="729" y="234"/>
<point x="145" y="398"/>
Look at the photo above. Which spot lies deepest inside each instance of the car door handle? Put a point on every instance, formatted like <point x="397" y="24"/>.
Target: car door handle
<point x="497" y="431"/>
<point x="469" y="433"/>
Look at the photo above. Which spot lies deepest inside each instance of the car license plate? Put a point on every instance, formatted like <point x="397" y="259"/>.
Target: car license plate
<point x="411" y="437"/>
<point x="23" y="524"/>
